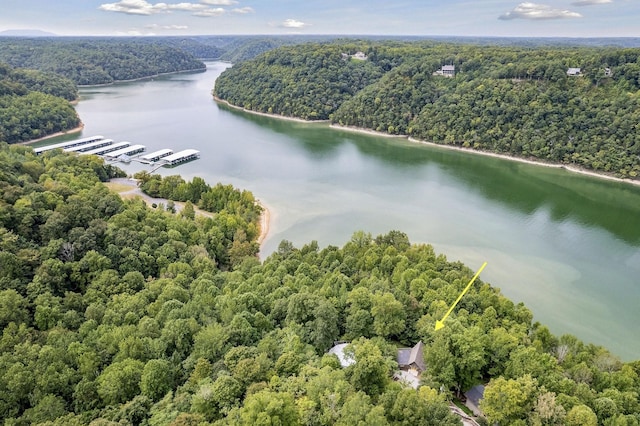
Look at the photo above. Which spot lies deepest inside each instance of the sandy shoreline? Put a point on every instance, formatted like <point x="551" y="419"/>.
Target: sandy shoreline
<point x="54" y="135"/>
<point x="265" y="221"/>
<point x="451" y="147"/>
<point x="366" y="131"/>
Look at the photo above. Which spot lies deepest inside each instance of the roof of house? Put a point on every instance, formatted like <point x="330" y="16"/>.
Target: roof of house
<point x="573" y="71"/>
<point x="338" y="350"/>
<point x="409" y="356"/>
<point x="448" y="68"/>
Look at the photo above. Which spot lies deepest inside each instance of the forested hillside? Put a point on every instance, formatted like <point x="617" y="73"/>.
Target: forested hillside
<point x="113" y="311"/>
<point x="34" y="104"/>
<point x="89" y="61"/>
<point x="510" y="99"/>
<point x="288" y="82"/>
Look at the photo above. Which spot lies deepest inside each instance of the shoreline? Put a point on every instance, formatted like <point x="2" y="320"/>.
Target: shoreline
<point x="265" y="222"/>
<point x="354" y="129"/>
<point x="53" y="135"/>
<point x="540" y="163"/>
<point x="88" y="86"/>
<point x="266" y="114"/>
<point x="572" y="169"/>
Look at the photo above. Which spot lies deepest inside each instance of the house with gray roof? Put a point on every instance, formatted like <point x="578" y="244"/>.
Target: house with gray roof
<point x="412" y="358"/>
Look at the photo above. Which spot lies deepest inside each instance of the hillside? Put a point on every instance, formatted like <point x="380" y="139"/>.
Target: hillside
<point x="34" y="104"/>
<point x="113" y="311"/>
<point x="93" y="60"/>
<point x="515" y="100"/>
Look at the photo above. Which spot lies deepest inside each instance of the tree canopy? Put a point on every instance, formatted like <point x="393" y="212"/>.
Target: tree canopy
<point x="113" y="311"/>
<point x="89" y="61"/>
<point x="34" y="104"/>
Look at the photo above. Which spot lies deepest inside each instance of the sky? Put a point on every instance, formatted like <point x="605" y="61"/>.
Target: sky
<point x="543" y="18"/>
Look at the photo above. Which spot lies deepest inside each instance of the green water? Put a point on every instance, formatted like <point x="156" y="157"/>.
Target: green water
<point x="566" y="245"/>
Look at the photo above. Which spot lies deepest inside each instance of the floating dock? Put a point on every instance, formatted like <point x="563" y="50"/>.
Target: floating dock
<point x="128" y="151"/>
<point x="88" y="147"/>
<point x="68" y="144"/>
<point x="106" y="149"/>
<point x="156" y="155"/>
<point x="180" y="157"/>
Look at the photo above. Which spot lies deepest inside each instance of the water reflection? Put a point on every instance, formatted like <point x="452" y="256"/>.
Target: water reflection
<point x="592" y="202"/>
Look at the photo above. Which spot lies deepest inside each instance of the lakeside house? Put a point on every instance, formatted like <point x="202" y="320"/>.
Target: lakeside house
<point x="574" y="72"/>
<point x="411" y="365"/>
<point x="360" y="56"/>
<point x="410" y="360"/>
<point x="338" y="350"/>
<point x="446" y="71"/>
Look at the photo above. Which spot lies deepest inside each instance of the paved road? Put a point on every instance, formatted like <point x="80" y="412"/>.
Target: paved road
<point x="135" y="192"/>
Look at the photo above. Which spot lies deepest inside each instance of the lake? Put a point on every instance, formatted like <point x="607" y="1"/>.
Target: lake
<point x="566" y="245"/>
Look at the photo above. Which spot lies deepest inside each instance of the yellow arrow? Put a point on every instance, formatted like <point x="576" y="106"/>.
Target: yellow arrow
<point x="440" y="324"/>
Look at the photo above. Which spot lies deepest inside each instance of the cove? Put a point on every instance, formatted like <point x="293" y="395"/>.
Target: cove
<point x="566" y="245"/>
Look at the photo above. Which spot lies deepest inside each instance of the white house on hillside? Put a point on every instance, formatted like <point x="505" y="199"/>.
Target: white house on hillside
<point x="574" y="72"/>
<point x="446" y="71"/>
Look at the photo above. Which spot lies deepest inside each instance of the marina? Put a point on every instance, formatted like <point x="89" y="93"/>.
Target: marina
<point x="123" y="151"/>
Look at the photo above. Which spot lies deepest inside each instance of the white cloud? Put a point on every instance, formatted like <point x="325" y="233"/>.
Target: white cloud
<point x="537" y="11"/>
<point x="143" y="7"/>
<point x="219" y="2"/>
<point x="133" y="7"/>
<point x="293" y="23"/>
<point x="208" y="13"/>
<point x="167" y="27"/>
<point x="186" y="7"/>
<point x="590" y="2"/>
<point x="243" y="10"/>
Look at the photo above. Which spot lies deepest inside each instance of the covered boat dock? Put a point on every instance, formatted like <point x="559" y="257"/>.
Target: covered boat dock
<point x="107" y="149"/>
<point x="181" y="157"/>
<point x="68" y="144"/>
<point x="156" y="155"/>
<point x="128" y="151"/>
<point x="88" y="147"/>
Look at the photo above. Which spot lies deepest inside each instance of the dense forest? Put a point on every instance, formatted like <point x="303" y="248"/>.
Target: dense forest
<point x="514" y="100"/>
<point x="34" y="104"/>
<point x="115" y="312"/>
<point x="89" y="61"/>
